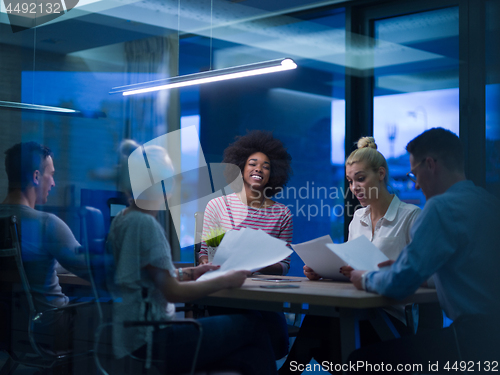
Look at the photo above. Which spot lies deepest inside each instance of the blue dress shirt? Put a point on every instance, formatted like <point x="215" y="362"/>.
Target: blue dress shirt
<point x="455" y="237"/>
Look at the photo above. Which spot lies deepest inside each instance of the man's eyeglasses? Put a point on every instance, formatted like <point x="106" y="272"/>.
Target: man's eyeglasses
<point x="412" y="176"/>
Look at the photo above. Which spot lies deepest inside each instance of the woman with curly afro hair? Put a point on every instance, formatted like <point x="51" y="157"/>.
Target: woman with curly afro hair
<point x="265" y="167"/>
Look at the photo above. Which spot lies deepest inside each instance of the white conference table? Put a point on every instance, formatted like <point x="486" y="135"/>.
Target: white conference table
<point x="322" y="297"/>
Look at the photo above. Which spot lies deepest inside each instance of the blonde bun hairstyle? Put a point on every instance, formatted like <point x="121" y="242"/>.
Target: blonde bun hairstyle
<point x="367" y="153"/>
<point x="367" y="142"/>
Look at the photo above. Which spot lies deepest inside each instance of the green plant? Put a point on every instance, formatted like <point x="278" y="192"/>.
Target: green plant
<point x="214" y="236"/>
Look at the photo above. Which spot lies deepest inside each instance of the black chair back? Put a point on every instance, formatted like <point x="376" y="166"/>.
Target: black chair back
<point x="18" y="313"/>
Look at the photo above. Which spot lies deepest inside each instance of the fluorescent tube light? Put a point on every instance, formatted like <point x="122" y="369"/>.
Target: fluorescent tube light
<point x="36" y="107"/>
<point x="208" y="76"/>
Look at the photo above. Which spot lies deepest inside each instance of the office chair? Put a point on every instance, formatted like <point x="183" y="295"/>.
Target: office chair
<point x="103" y="345"/>
<point x="18" y="314"/>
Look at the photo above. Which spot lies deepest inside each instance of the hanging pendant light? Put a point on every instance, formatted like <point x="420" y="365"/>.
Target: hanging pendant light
<point x="248" y="70"/>
<point x="37" y="107"/>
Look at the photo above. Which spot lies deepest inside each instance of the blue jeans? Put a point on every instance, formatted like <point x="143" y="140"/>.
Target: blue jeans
<point x="233" y="342"/>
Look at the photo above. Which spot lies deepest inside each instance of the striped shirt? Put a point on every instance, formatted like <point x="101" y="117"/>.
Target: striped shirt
<point x="275" y="220"/>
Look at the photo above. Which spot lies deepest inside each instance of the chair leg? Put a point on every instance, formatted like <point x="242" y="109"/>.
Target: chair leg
<point x="9" y="367"/>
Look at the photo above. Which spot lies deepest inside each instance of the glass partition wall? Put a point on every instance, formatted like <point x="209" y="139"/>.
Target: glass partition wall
<point x="364" y="67"/>
<point x="73" y="61"/>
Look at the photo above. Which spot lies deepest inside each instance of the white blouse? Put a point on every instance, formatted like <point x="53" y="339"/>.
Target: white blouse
<point x="392" y="231"/>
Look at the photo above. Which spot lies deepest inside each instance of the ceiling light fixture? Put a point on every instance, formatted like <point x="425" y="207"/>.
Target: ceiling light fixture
<point x="36" y="107"/>
<point x="248" y="70"/>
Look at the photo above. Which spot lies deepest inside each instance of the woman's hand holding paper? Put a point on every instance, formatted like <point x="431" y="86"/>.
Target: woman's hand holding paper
<point x="310" y="274"/>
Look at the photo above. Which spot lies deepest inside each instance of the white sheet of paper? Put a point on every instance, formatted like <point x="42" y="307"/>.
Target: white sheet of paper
<point x="320" y="258"/>
<point x="247" y="249"/>
<point x="359" y="253"/>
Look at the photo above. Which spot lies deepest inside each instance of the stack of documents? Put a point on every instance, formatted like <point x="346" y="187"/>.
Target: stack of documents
<point x="326" y="258"/>
<point x="247" y="249"/>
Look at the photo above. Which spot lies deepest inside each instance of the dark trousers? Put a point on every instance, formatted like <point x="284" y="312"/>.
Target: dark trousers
<point x="230" y="342"/>
<point x="274" y="322"/>
<point x="319" y="338"/>
<point x="470" y="344"/>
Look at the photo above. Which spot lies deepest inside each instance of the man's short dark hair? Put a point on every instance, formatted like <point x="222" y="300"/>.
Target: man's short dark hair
<point x="441" y="144"/>
<point x="21" y="160"/>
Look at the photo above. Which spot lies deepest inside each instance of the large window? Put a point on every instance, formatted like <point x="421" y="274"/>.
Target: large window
<point x="416" y="86"/>
<point x="492" y="98"/>
<point x="408" y="52"/>
<point x="305" y="108"/>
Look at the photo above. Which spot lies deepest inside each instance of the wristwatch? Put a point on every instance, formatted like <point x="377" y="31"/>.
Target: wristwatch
<point x="181" y="274"/>
<point x="363" y="280"/>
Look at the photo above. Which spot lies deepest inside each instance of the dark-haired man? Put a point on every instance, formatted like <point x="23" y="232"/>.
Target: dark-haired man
<point x="455" y="239"/>
<point x="45" y="238"/>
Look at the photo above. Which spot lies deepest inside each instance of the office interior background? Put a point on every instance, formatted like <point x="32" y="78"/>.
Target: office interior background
<point x="390" y="69"/>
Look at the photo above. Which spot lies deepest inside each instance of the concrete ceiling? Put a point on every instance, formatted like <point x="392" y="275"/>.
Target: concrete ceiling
<point x="245" y="31"/>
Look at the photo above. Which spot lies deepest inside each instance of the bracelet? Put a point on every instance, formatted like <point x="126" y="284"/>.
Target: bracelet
<point x="181" y="274"/>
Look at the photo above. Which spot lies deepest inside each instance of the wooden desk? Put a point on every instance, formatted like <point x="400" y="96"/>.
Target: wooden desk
<point x="325" y="298"/>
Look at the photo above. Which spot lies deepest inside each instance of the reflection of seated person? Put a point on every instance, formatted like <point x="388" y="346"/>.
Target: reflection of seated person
<point x="149" y="284"/>
<point x="384" y="220"/>
<point x="455" y="239"/>
<point x="45" y="239"/>
<point x="265" y="167"/>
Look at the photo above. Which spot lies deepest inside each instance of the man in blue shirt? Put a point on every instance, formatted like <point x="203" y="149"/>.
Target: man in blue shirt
<point x="454" y="239"/>
<point x="46" y="239"/>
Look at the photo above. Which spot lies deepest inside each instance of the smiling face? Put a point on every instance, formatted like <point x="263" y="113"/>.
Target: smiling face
<point x="44" y="180"/>
<point x="257" y="171"/>
<point x="364" y="182"/>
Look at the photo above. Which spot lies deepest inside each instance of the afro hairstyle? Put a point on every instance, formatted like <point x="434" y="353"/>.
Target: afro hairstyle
<point x="238" y="152"/>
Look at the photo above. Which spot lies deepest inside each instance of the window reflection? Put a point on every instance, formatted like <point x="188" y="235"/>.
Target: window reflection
<point x="492" y="98"/>
<point x="416" y="86"/>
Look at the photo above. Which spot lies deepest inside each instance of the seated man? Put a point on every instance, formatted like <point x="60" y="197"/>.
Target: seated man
<point x="453" y="238"/>
<point x="45" y="239"/>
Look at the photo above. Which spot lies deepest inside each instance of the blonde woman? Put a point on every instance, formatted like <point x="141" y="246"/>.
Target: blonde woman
<point x="384" y="220"/>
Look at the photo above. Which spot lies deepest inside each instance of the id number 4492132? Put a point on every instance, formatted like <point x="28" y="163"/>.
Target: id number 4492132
<point x="42" y="8"/>
<point x="471" y="366"/>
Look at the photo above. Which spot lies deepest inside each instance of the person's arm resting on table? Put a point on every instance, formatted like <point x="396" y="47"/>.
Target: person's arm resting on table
<point x="65" y="248"/>
<point x="175" y="291"/>
<point x="192" y="273"/>
<point x="434" y="242"/>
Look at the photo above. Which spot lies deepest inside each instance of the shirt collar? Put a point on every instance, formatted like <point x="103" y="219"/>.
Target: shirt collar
<point x="390" y="215"/>
<point x="392" y="211"/>
<point x="465" y="184"/>
<point x="365" y="218"/>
